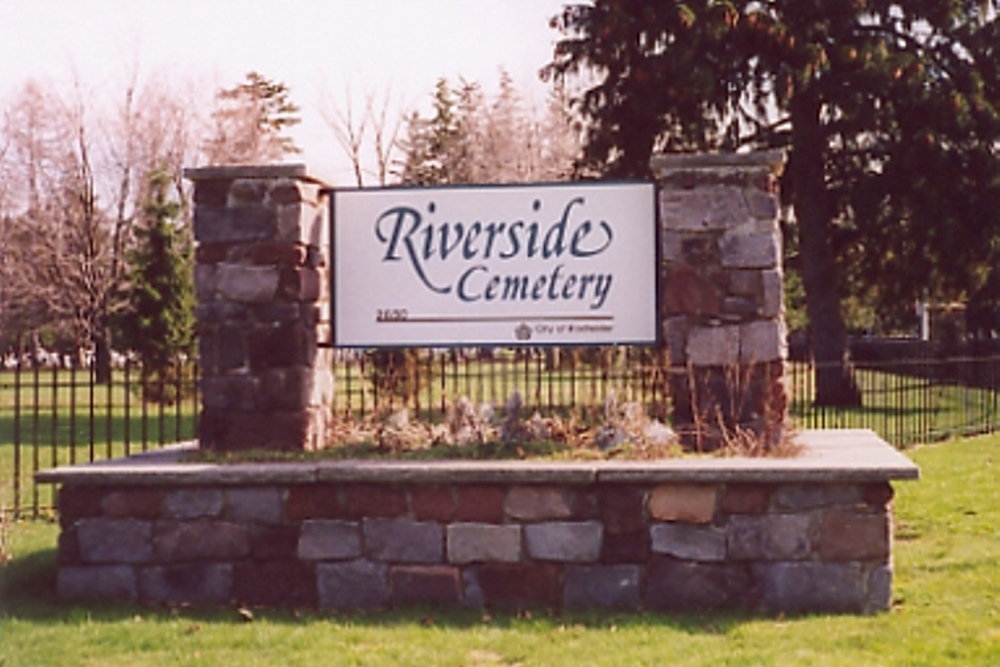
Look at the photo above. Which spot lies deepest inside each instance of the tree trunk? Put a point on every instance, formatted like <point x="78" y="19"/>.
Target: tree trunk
<point x="102" y="355"/>
<point x="835" y="384"/>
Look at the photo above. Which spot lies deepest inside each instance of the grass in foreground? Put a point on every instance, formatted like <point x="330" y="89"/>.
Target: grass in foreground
<point x="947" y="610"/>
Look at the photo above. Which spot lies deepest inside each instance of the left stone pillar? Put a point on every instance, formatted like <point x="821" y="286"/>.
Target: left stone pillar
<point x="261" y="277"/>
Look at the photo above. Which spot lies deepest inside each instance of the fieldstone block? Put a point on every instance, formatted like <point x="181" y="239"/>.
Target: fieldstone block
<point x="673" y="585"/>
<point x="687" y="292"/>
<point x="220" y="224"/>
<point x="313" y="501"/>
<point x="193" y="504"/>
<point x="622" y="509"/>
<point x="878" y="495"/>
<point x="230" y="392"/>
<point x="761" y="203"/>
<point x="762" y="341"/>
<point x="770" y="537"/>
<point x="288" y="583"/>
<point x="744" y="499"/>
<point x="212" y="191"/>
<point x="483" y="542"/>
<point x="688" y="541"/>
<point x="742" y="250"/>
<point x="97" y="582"/>
<point x="425" y="585"/>
<point x="432" y="503"/>
<point x="772" y="293"/>
<point x="204" y="282"/>
<point x="79" y="501"/>
<point x="201" y="540"/>
<point x="138" y="503"/>
<point x="375" y="501"/>
<point x="811" y="586"/>
<point x="670" y="246"/>
<point x="246" y="191"/>
<point x="272" y="253"/>
<point x="290" y="191"/>
<point x="520" y="585"/>
<point x="847" y="535"/>
<point x="274" y="542"/>
<point x="675" y="335"/>
<point x="472" y="592"/>
<point x="799" y="497"/>
<point x="244" y="283"/>
<point x="302" y="223"/>
<point x="194" y="583"/>
<point x="403" y="541"/>
<point x="289" y="388"/>
<point x="574" y="542"/>
<point x="703" y="208"/>
<point x="115" y="540"/>
<point x="358" y="584"/>
<point x="690" y="503"/>
<point x="260" y="505"/>
<point x="538" y="503"/>
<point x="211" y="253"/>
<point x="713" y="345"/>
<point x="879" y="596"/>
<point x="325" y="539"/>
<point x="300" y="284"/>
<point x="602" y="586"/>
<point x="621" y="548"/>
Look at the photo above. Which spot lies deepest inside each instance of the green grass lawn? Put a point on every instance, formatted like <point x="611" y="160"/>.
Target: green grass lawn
<point x="946" y="611"/>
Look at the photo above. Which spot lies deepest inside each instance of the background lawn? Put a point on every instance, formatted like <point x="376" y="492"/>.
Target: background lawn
<point x="946" y="611"/>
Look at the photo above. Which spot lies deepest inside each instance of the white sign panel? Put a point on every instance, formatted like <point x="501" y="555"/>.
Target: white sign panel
<point x="568" y="264"/>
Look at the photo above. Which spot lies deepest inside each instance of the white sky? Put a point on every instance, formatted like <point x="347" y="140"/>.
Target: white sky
<point x="319" y="48"/>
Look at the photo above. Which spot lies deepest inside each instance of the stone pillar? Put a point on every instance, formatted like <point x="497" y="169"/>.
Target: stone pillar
<point x="722" y="296"/>
<point x="262" y="285"/>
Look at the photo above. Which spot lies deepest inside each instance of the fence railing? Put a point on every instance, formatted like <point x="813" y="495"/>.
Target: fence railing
<point x="54" y="416"/>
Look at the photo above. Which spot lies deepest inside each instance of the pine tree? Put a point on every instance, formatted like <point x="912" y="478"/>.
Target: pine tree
<point x="250" y="122"/>
<point x="158" y="323"/>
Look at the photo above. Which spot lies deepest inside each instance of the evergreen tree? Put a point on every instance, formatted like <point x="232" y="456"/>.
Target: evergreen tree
<point x="250" y="121"/>
<point x="158" y="322"/>
<point x="890" y="111"/>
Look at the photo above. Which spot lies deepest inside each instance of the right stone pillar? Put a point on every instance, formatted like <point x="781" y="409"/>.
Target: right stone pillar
<point x="722" y="297"/>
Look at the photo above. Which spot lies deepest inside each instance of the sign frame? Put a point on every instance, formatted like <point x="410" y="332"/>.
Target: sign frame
<point x="545" y="325"/>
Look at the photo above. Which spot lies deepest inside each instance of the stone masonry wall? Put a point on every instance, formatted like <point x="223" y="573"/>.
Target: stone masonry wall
<point x="261" y="278"/>
<point x="723" y="296"/>
<point x="779" y="547"/>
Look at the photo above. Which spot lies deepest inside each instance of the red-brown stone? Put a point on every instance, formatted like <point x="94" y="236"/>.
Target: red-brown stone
<point x="135" y="503"/>
<point x="479" y="502"/>
<point x="373" y="501"/>
<point x="688" y="292"/>
<point x="432" y="503"/>
<point x="313" y="502"/>
<point x="879" y="495"/>
<point x="854" y="536"/>
<point x="275" y="583"/>
<point x="275" y="252"/>
<point x="744" y="499"/>
<point x="211" y="253"/>
<point x="299" y="284"/>
<point x="521" y="585"/>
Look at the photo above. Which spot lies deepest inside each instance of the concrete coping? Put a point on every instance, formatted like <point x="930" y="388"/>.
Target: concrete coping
<point x="294" y="171"/>
<point x="828" y="456"/>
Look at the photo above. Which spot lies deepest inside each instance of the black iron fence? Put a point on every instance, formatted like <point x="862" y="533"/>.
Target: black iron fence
<point x="52" y="416"/>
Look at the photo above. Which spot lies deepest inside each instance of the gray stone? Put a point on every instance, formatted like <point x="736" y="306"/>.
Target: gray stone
<point x="230" y="392"/>
<point x="799" y="497"/>
<point x="565" y="541"/>
<point x="219" y="224"/>
<point x="703" y="209"/>
<point x="115" y="540"/>
<point x="193" y="504"/>
<point x="675" y="333"/>
<point x="742" y="250"/>
<point x="879" y="595"/>
<point x="204" y="282"/>
<point x="671" y="248"/>
<point x="713" y="346"/>
<point x="602" y="586"/>
<point x="771" y="536"/>
<point x="772" y="293"/>
<point x="358" y="584"/>
<point x="194" y="583"/>
<point x="262" y="505"/>
<point x="104" y="582"/>
<point x="247" y="284"/>
<point x="483" y="542"/>
<point x="403" y="541"/>
<point x="302" y="223"/>
<point x="762" y="205"/>
<point x="472" y="591"/>
<point x="201" y="540"/>
<point x="688" y="541"/>
<point x="762" y="341"/>
<point x="811" y="586"/>
<point x="327" y="539"/>
<point x="676" y="585"/>
<point x="537" y="503"/>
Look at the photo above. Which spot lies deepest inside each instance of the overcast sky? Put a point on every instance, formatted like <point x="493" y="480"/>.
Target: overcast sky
<point x="320" y="48"/>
